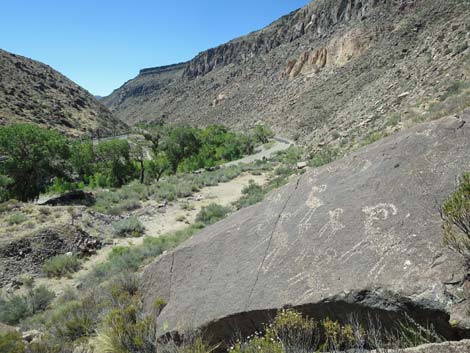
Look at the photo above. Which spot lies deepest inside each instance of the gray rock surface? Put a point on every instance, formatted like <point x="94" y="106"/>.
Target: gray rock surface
<point x="361" y="235"/>
<point x="446" y="347"/>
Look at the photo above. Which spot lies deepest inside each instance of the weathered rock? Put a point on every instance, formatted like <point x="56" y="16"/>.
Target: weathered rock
<point x="76" y="197"/>
<point x="32" y="335"/>
<point x="361" y="235"/>
<point x="28" y="254"/>
<point x="446" y="347"/>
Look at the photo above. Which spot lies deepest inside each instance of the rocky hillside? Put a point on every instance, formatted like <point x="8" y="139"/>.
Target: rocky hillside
<point x="33" y="92"/>
<point x="335" y="68"/>
<point x="360" y="236"/>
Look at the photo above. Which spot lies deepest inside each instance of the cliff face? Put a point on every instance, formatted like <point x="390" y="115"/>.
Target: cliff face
<point x="315" y="19"/>
<point x="333" y="68"/>
<point x="33" y="92"/>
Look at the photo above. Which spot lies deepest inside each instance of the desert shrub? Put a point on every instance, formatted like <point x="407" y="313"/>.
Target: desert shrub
<point x="17" y="218"/>
<point x="99" y="180"/>
<point x="324" y="156"/>
<point x="190" y="341"/>
<point x="14" y="308"/>
<point x="125" y="330"/>
<point x="212" y="213"/>
<point x="292" y="155"/>
<point x="60" y="186"/>
<point x="27" y="280"/>
<point x="12" y="342"/>
<point x="75" y="319"/>
<point x="187" y="206"/>
<point x="456" y="216"/>
<point x="131" y="226"/>
<point x="131" y="258"/>
<point x="252" y="193"/>
<point x="61" y="265"/>
<point x="283" y="171"/>
<point x="262" y="133"/>
<point x="294" y="332"/>
<point x="45" y="211"/>
<point x="337" y="337"/>
<point x="372" y="137"/>
<point x="117" y="202"/>
<point x="39" y="298"/>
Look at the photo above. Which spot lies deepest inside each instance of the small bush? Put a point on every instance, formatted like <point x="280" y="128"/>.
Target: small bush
<point x="131" y="226"/>
<point x="17" y="218"/>
<point x="456" y="215"/>
<point x="15" y="308"/>
<point x="212" y="213"/>
<point x="253" y="193"/>
<point x="131" y="258"/>
<point x="12" y="342"/>
<point x="126" y="331"/>
<point x="325" y="156"/>
<point x="61" y="265"/>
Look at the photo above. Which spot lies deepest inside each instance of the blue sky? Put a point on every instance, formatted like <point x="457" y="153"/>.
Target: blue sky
<point x="100" y="44"/>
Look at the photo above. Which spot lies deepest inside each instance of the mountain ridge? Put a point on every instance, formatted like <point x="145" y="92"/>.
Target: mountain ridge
<point x="33" y="92"/>
<point x="316" y="73"/>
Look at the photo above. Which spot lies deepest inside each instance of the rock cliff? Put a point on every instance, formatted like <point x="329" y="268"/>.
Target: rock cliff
<point x="333" y="68"/>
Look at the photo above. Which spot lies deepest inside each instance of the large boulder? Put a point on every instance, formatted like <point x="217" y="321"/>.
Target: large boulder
<point x="361" y="235"/>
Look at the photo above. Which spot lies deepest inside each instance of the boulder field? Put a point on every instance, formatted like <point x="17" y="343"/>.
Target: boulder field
<point x="359" y="236"/>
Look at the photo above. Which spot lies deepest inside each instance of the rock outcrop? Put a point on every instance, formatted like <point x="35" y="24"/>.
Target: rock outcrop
<point x="32" y="92"/>
<point x="28" y="254"/>
<point x="361" y="236"/>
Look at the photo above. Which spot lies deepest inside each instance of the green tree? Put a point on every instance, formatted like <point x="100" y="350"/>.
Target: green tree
<point x="262" y="133"/>
<point x="139" y="154"/>
<point x="182" y="142"/>
<point x="5" y="182"/>
<point x="82" y="158"/>
<point x="114" y="161"/>
<point x="158" y="166"/>
<point x="34" y="156"/>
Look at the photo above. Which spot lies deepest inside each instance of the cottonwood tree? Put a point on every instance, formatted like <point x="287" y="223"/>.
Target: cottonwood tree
<point x="34" y="156"/>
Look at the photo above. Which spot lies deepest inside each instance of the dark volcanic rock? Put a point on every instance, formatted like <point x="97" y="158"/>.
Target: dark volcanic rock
<point x="361" y="235"/>
<point x="76" y="197"/>
<point x="28" y="254"/>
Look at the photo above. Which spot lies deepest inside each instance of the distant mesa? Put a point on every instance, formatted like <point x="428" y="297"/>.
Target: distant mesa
<point x="160" y="69"/>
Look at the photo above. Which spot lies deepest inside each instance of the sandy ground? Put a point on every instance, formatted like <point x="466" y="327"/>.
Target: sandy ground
<point x="159" y="221"/>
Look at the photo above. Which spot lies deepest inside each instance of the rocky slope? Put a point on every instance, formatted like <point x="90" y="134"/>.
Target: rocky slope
<point x="359" y="236"/>
<point x="335" y="68"/>
<point x="33" y="92"/>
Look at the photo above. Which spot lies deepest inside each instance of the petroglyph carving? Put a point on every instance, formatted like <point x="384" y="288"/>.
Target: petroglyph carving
<point x="376" y="239"/>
